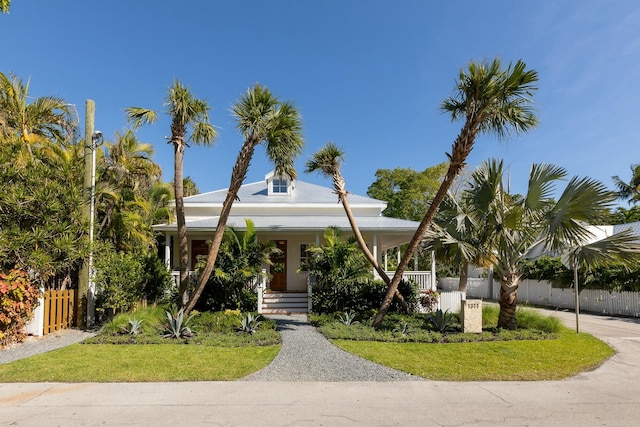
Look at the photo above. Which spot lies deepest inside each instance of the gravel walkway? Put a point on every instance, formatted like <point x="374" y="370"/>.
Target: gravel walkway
<point x="306" y="355"/>
<point x="36" y="345"/>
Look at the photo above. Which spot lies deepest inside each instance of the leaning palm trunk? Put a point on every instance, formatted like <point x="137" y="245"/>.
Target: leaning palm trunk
<point x="238" y="175"/>
<point x="459" y="152"/>
<point x="340" y="187"/>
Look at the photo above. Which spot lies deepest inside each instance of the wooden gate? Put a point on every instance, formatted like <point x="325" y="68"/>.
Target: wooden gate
<point x="58" y="310"/>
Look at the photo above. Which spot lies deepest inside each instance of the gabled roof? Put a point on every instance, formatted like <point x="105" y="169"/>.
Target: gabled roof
<point x="304" y="193"/>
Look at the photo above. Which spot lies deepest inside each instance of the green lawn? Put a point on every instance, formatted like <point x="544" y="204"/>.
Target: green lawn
<point x="528" y="360"/>
<point x="130" y="363"/>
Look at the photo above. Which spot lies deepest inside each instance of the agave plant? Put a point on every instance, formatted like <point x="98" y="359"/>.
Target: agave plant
<point x="134" y="327"/>
<point x="177" y="325"/>
<point x="441" y="321"/>
<point x="348" y="318"/>
<point x="249" y="324"/>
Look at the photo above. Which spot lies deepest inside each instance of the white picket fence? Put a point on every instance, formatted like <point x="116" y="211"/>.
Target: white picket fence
<point x="543" y="293"/>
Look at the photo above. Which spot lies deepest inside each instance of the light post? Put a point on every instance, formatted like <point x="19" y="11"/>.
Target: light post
<point x="96" y="141"/>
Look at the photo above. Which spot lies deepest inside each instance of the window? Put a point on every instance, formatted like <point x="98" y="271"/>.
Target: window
<point x="280" y="185"/>
<point x="303" y="252"/>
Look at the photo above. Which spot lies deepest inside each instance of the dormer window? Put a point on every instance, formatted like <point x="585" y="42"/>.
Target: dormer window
<point x="279" y="185"/>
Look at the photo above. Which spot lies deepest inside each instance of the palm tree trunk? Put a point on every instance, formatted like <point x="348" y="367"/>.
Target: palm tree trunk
<point x="508" y="303"/>
<point x="238" y="175"/>
<point x="339" y="184"/>
<point x="464" y="277"/>
<point x="178" y="170"/>
<point x="460" y="150"/>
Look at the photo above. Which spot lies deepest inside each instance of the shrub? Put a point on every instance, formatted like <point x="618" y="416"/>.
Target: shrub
<point x="119" y="281"/>
<point x="360" y="297"/>
<point x="18" y="298"/>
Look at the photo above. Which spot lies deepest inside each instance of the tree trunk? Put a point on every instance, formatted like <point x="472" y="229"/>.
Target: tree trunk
<point x="178" y="171"/>
<point x="342" y="194"/>
<point x="238" y="175"/>
<point x="508" y="303"/>
<point x="460" y="150"/>
<point x="464" y="277"/>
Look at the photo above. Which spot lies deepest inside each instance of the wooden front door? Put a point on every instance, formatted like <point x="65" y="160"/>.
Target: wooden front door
<point x="279" y="268"/>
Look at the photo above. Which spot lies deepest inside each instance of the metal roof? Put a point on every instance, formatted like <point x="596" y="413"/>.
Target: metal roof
<point x="303" y="193"/>
<point x="300" y="223"/>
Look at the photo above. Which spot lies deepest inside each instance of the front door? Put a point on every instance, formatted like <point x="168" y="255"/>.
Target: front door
<point x="279" y="268"/>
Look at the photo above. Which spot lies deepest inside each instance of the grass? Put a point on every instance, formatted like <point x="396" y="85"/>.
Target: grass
<point x="529" y="360"/>
<point x="216" y="352"/>
<point x="541" y="348"/>
<point x="130" y="363"/>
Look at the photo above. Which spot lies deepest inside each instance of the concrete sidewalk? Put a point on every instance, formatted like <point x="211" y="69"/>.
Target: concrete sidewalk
<point x="606" y="396"/>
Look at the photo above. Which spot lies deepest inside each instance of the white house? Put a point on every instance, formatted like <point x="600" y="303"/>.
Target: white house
<point x="293" y="214"/>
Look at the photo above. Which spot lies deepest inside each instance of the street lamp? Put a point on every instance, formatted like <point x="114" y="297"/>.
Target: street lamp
<point x="96" y="141"/>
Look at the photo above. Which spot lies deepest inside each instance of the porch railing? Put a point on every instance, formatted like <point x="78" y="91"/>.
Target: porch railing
<point x="421" y="278"/>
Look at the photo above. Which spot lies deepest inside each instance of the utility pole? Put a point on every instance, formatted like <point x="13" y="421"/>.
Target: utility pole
<point x="83" y="280"/>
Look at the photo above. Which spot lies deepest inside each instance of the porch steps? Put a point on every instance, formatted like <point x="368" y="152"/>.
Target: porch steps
<point x="285" y="302"/>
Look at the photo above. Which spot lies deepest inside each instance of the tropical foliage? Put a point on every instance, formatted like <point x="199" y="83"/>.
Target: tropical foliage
<point x="517" y="228"/>
<point x="491" y="100"/>
<point x="126" y="178"/>
<point x="240" y="262"/>
<point x="18" y="298"/>
<point x="342" y="278"/>
<point x="629" y="190"/>
<point x="189" y="123"/>
<point x="261" y="119"/>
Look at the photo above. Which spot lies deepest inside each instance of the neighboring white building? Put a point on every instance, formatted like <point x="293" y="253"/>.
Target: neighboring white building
<point x="293" y="214"/>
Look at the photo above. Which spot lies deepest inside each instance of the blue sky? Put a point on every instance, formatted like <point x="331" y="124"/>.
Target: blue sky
<point x="368" y="75"/>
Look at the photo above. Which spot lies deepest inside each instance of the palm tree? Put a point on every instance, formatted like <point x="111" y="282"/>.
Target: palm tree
<point x="630" y="190"/>
<point x="189" y="122"/>
<point x="328" y="161"/>
<point x="490" y="100"/>
<point x="458" y="237"/>
<point x="126" y="174"/>
<point x="519" y="225"/>
<point x="190" y="187"/>
<point x="261" y="118"/>
<point x="39" y="124"/>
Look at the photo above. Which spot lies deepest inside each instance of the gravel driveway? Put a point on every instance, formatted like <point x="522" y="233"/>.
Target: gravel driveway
<point x="306" y="355"/>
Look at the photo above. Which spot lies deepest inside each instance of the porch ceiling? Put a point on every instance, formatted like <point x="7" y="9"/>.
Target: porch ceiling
<point x="390" y="232"/>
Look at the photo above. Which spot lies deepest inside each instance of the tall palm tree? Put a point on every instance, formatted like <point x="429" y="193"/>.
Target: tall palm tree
<point x="328" y="161"/>
<point x="490" y="100"/>
<point x="46" y="121"/>
<point x="189" y="123"/>
<point x="261" y="118"/>
<point x="517" y="225"/>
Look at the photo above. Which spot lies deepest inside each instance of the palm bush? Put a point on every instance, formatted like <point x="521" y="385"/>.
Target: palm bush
<point x="239" y="263"/>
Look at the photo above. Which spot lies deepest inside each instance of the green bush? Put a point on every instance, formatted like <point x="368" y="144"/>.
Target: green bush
<point x="360" y="297"/>
<point x="18" y="298"/>
<point x="124" y="279"/>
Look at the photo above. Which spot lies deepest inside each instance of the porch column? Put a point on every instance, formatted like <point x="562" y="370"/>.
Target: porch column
<point x="386" y="260"/>
<point x="433" y="271"/>
<point x="415" y="260"/>
<point x="375" y="247"/>
<point x="399" y="255"/>
<point x="167" y="251"/>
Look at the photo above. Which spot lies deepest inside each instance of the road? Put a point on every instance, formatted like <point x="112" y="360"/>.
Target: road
<point x="607" y="396"/>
